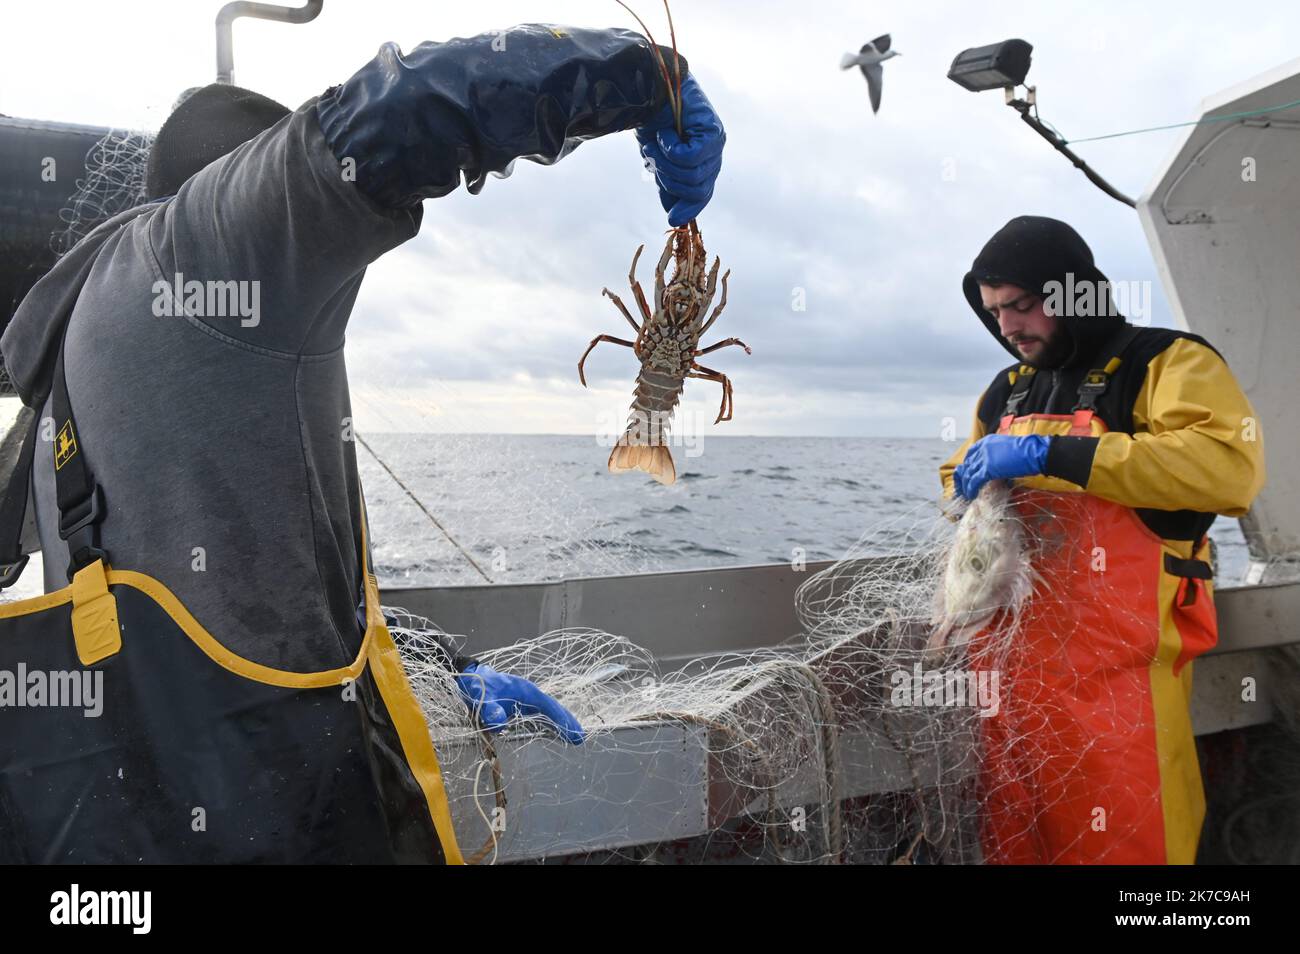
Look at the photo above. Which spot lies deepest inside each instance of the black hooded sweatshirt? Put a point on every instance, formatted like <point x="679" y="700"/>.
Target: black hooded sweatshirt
<point x="1031" y="252"/>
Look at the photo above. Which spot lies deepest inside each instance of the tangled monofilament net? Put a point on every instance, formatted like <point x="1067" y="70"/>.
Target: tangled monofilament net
<point x="1068" y="678"/>
<point x="782" y="730"/>
<point x="114" y="182"/>
<point x="757" y="715"/>
<point x="806" y="752"/>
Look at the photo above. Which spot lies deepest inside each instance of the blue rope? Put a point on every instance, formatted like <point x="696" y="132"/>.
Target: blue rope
<point x="1194" y="122"/>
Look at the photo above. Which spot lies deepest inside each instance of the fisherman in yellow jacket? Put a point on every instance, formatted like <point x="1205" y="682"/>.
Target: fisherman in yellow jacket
<point x="1123" y="444"/>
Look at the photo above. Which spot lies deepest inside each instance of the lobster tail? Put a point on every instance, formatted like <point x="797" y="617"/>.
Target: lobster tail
<point x="655" y="460"/>
<point x="644" y="445"/>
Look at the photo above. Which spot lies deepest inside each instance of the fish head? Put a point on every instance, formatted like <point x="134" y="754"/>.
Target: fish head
<point x="987" y="567"/>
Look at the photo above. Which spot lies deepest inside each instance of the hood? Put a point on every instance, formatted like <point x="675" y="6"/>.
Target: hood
<point x="30" y="343"/>
<point x="209" y="122"/>
<point x="1030" y="251"/>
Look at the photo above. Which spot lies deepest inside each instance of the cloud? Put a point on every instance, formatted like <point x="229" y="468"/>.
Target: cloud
<point x="871" y="219"/>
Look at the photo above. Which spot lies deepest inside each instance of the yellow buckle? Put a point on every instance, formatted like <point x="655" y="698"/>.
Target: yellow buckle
<point x="94" y="615"/>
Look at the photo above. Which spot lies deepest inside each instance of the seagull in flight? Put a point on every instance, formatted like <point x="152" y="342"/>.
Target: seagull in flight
<point x="868" y="59"/>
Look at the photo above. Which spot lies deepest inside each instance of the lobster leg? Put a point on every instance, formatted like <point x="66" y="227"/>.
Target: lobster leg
<point x="595" y="341"/>
<point x="721" y="305"/>
<point x="724" y="344"/>
<point x="636" y="285"/>
<point x="728" y="399"/>
<point x="710" y="287"/>
<point x="724" y="412"/>
<point x="623" y="308"/>
<point x="659" y="274"/>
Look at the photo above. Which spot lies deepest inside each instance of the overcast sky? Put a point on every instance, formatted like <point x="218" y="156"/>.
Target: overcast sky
<point x="477" y="324"/>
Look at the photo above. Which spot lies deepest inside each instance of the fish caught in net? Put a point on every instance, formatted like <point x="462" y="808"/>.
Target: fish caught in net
<point x="854" y="741"/>
<point x="807" y="758"/>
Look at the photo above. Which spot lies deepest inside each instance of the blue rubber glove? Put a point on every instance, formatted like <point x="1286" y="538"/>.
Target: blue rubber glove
<point x="685" y="169"/>
<point x="497" y="697"/>
<point x="999" y="457"/>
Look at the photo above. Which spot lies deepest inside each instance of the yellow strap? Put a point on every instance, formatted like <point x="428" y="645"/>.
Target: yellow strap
<point x="1113" y="365"/>
<point x="1025" y="369"/>
<point x="94" y="615"/>
<point x="224" y="657"/>
<point x="98" y="635"/>
<point x="408" y="718"/>
<point x="413" y="731"/>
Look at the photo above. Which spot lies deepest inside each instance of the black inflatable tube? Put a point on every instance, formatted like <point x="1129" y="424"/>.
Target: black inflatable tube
<point x="31" y="198"/>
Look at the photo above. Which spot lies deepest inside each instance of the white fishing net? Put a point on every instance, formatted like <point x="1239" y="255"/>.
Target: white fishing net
<point x="752" y="724"/>
<point x="848" y="743"/>
<point x="786" y="754"/>
<point x="114" y="182"/>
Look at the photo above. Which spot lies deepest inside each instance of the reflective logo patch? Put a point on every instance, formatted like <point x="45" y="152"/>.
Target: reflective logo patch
<point x="65" y="445"/>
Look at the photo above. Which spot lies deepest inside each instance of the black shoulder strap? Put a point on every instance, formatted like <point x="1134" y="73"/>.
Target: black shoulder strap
<point x="1119" y="345"/>
<point x="1019" y="390"/>
<point x="1096" y="381"/>
<point x="81" y="501"/>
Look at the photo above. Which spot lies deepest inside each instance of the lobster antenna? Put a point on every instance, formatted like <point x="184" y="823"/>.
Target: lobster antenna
<point x="663" y="67"/>
<point x="677" y="66"/>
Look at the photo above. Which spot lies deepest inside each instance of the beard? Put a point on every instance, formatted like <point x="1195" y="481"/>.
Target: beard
<point x="1053" y="351"/>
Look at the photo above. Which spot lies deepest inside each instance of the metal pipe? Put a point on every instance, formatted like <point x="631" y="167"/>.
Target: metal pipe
<point x="228" y="14"/>
<point x="1059" y="145"/>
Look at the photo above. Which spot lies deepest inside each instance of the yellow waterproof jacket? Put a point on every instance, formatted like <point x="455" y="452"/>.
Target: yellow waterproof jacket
<point x="1181" y="441"/>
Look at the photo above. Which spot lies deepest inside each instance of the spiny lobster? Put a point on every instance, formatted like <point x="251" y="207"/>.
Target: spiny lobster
<point x="667" y="344"/>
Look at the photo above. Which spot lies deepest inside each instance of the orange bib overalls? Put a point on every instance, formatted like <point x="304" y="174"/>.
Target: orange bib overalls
<point x="1091" y="758"/>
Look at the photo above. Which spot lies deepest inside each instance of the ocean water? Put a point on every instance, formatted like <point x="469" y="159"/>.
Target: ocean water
<point x="531" y="508"/>
<point x="534" y="508"/>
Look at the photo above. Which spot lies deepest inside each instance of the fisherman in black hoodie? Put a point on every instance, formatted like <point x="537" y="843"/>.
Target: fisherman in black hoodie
<point x="1124" y="443"/>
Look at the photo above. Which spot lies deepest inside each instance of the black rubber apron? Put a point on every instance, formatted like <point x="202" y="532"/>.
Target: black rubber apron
<point x="188" y="752"/>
